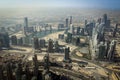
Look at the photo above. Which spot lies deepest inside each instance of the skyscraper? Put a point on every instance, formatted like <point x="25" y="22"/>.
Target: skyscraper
<point x="99" y="20"/>
<point x="67" y="22"/>
<point x="102" y="51"/>
<point x="9" y="71"/>
<point x="66" y="51"/>
<point x="70" y="19"/>
<point x="13" y="40"/>
<point x="85" y="23"/>
<point x="42" y="43"/>
<point x="56" y="45"/>
<point x="106" y="21"/>
<point x="4" y="40"/>
<point x="105" y="18"/>
<point x="72" y="29"/>
<point x="50" y="46"/>
<point x="26" y="22"/>
<point x="111" y="51"/>
<point x="115" y="30"/>
<point x="46" y="62"/>
<point x="1" y="72"/>
<point x="25" y="27"/>
<point x="18" y="72"/>
<point x="36" y="43"/>
<point x="35" y="62"/>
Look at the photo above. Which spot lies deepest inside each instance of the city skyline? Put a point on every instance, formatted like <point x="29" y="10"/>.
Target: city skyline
<point x="110" y="4"/>
<point x="59" y="40"/>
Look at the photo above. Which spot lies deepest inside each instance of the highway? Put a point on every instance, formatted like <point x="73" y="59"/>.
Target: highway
<point x="69" y="73"/>
<point x="101" y="70"/>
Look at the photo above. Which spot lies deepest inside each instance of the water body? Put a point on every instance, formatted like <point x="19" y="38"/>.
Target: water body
<point x="42" y="33"/>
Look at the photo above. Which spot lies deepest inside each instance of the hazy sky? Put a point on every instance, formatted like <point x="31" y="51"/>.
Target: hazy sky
<point x="61" y="3"/>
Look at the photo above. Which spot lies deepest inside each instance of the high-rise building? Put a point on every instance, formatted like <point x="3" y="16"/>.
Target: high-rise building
<point x="35" y="61"/>
<point x="99" y="20"/>
<point x="105" y="18"/>
<point x="111" y="51"/>
<point x="1" y="72"/>
<point x="9" y="71"/>
<point x="25" y="27"/>
<point x="4" y="40"/>
<point x="76" y="41"/>
<point x="61" y="36"/>
<point x="70" y="19"/>
<point x="50" y="46"/>
<point x="46" y="62"/>
<point x="26" y="22"/>
<point x="46" y="73"/>
<point x="115" y="30"/>
<point x="89" y="28"/>
<point x="61" y="26"/>
<point x="86" y="23"/>
<point x="26" y="40"/>
<point x="82" y="31"/>
<point x="36" y="43"/>
<point x="102" y="51"/>
<point x="66" y="51"/>
<point x="42" y="43"/>
<point x="13" y="40"/>
<point x="78" y="31"/>
<point x="72" y="29"/>
<point x="2" y="29"/>
<point x="106" y="21"/>
<point x="69" y="38"/>
<point x="56" y="45"/>
<point x="27" y="72"/>
<point x="18" y="72"/>
<point x="67" y="23"/>
<point x="19" y="41"/>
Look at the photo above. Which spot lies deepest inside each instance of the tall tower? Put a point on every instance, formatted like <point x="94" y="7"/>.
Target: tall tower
<point x="26" y="22"/>
<point x="46" y="62"/>
<point x="36" y="43"/>
<point x="18" y="72"/>
<point x="72" y="28"/>
<point x="6" y="40"/>
<point x="102" y="50"/>
<point x="115" y="30"/>
<point x="67" y="22"/>
<point x="50" y="46"/>
<point x="105" y="18"/>
<point x="46" y="75"/>
<point x="70" y="19"/>
<point x="1" y="73"/>
<point x="106" y="21"/>
<point x="56" y="45"/>
<point x="14" y="40"/>
<point x="25" y="27"/>
<point x="111" y="51"/>
<point x="35" y="61"/>
<point x="86" y="22"/>
<point x="66" y="51"/>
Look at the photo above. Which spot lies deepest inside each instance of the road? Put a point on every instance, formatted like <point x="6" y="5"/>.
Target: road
<point x="54" y="36"/>
<point x="70" y="73"/>
<point x="101" y="70"/>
